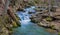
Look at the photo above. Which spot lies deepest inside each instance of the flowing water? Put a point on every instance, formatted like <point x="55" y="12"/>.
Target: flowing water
<point x="27" y="27"/>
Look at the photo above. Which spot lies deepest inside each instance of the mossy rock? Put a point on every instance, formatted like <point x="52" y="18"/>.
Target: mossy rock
<point x="18" y="23"/>
<point x="48" y="19"/>
<point x="34" y="21"/>
<point x="52" y="27"/>
<point x="14" y="24"/>
<point x="17" y="20"/>
<point x="17" y="17"/>
<point x="31" y="3"/>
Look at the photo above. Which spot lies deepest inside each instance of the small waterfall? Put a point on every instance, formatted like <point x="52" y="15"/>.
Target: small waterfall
<point x="24" y="16"/>
<point x="31" y="9"/>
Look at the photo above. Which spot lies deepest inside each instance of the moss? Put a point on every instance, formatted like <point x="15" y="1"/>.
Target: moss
<point x="48" y="19"/>
<point x="31" y="3"/>
<point x="14" y="24"/>
<point x="18" y="24"/>
<point x="10" y="29"/>
<point x="58" y="33"/>
<point x="17" y="20"/>
<point x="6" y="19"/>
<point x="17" y="17"/>
<point x="36" y="1"/>
<point x="52" y="27"/>
<point x="34" y="21"/>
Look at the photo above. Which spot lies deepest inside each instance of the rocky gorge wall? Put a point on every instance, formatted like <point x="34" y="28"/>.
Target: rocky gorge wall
<point x="8" y="18"/>
<point x="47" y="21"/>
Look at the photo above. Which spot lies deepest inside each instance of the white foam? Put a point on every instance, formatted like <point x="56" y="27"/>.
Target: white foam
<point x="25" y="21"/>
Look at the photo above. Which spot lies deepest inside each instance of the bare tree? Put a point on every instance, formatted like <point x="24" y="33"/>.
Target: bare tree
<point x="6" y="6"/>
<point x="49" y="6"/>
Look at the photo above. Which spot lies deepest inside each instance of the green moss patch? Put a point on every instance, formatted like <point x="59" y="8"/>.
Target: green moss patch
<point x="58" y="33"/>
<point x="48" y="19"/>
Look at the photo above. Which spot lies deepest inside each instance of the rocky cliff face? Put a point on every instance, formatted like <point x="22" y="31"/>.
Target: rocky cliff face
<point x="8" y="18"/>
<point x="44" y="20"/>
